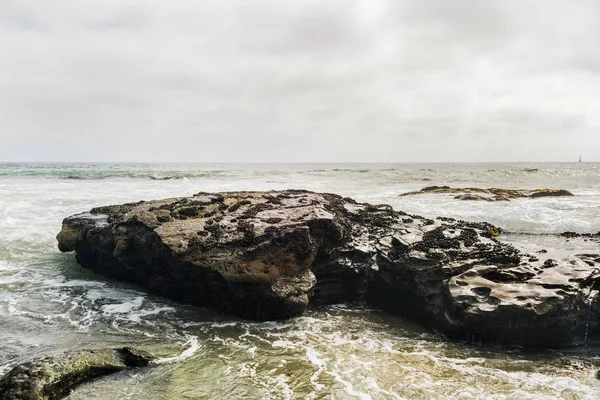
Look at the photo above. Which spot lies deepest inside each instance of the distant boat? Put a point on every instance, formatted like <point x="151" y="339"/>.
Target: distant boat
<point x="580" y="158"/>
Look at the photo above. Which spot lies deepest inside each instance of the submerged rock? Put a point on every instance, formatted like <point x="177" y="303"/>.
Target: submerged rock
<point x="53" y="377"/>
<point x="491" y="194"/>
<point x="270" y="255"/>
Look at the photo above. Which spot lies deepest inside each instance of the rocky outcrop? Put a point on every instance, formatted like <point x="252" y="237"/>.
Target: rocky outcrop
<point x="585" y="236"/>
<point x="53" y="377"/>
<point x="491" y="194"/>
<point x="270" y="255"/>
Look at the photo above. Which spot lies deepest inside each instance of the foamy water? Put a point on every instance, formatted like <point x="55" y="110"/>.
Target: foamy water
<point x="49" y="304"/>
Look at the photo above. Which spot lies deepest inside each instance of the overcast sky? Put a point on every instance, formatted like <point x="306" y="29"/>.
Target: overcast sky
<point x="299" y="80"/>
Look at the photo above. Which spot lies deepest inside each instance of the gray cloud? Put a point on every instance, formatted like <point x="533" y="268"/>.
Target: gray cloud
<point x="299" y="80"/>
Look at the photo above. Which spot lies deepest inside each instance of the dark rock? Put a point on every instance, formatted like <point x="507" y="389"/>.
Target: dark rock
<point x="277" y="253"/>
<point x="434" y="188"/>
<point x="549" y="193"/>
<point x="570" y="234"/>
<point x="585" y="237"/>
<point x="53" y="377"/>
<point x="490" y="194"/>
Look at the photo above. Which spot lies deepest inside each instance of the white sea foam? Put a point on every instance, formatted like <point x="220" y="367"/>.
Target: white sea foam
<point x="193" y="347"/>
<point x="99" y="219"/>
<point x="123" y="308"/>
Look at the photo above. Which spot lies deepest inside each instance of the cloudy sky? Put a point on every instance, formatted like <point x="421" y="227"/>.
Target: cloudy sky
<point x="299" y="80"/>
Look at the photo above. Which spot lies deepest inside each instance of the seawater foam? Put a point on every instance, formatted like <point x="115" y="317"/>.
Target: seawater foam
<point x="131" y="316"/>
<point x="192" y="344"/>
<point x="124" y="308"/>
<point x="101" y="220"/>
<point x="546" y="215"/>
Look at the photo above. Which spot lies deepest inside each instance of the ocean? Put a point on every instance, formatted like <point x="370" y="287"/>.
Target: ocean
<point x="49" y="304"/>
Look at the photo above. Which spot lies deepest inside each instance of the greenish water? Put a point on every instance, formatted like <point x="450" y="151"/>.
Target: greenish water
<point x="49" y="304"/>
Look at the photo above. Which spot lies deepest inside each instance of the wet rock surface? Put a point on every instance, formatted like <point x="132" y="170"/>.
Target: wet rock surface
<point x="593" y="237"/>
<point x="270" y="255"/>
<point x="490" y="194"/>
<point x="53" y="377"/>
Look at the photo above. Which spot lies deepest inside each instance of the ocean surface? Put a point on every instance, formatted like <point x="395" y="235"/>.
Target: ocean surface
<point x="49" y="304"/>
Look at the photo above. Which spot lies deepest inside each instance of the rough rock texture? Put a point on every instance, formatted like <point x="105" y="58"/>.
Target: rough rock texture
<point x="585" y="236"/>
<point x="53" y="377"/>
<point x="491" y="194"/>
<point x="269" y="255"/>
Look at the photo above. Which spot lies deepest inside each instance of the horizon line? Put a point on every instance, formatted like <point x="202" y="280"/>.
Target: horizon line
<point x="288" y="162"/>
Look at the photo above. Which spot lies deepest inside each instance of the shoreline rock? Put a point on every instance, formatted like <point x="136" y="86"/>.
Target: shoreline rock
<point x="490" y="194"/>
<point x="53" y="377"/>
<point x="571" y="235"/>
<point x="271" y="255"/>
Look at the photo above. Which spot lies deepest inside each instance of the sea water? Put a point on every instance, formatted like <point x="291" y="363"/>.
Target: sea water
<point x="50" y="304"/>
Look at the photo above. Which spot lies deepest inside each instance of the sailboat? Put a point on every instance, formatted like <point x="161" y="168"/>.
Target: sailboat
<point x="580" y="158"/>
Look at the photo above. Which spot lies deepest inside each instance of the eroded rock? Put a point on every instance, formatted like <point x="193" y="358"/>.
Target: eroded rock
<point x="53" y="377"/>
<point x="491" y="194"/>
<point x="270" y="255"/>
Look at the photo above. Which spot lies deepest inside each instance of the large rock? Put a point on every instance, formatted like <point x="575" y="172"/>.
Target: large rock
<point x="53" y="377"/>
<point x="269" y="255"/>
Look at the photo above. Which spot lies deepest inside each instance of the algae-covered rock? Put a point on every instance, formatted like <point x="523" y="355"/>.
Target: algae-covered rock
<point x="53" y="377"/>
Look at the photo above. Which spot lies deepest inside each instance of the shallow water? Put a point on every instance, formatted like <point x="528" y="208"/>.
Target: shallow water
<point x="49" y="304"/>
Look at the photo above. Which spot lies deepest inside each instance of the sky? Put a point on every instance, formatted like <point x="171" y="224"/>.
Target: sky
<point x="299" y="80"/>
